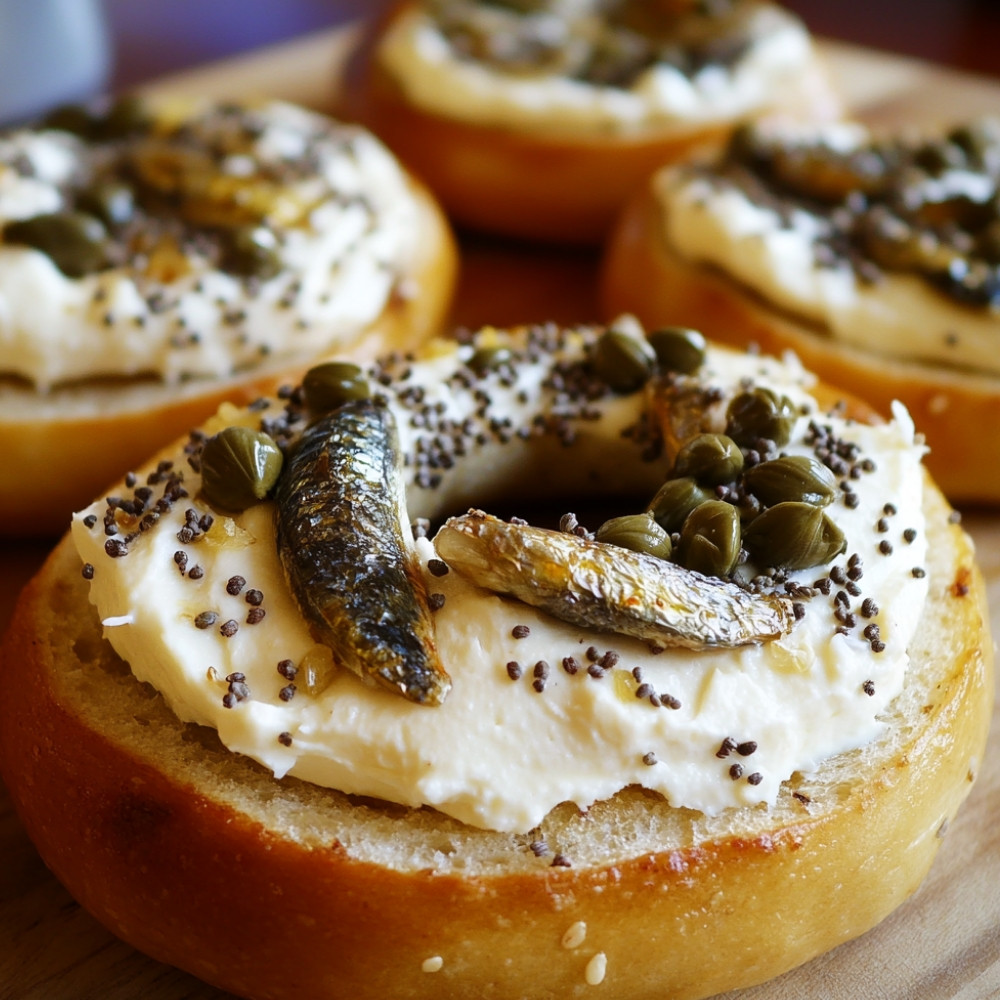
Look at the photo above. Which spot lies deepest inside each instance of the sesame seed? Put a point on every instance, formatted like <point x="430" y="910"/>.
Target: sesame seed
<point x="596" y="969"/>
<point x="575" y="935"/>
<point x="433" y="964"/>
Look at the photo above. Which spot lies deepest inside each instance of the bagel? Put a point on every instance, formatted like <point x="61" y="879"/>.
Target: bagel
<point x="559" y="828"/>
<point x="729" y="250"/>
<point x="537" y="120"/>
<point x="157" y="259"/>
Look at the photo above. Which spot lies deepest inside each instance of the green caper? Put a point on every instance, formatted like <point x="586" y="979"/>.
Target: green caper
<point x="489" y="359"/>
<point x="251" y="252"/>
<point x="623" y="361"/>
<point x="678" y="349"/>
<point x="791" y="477"/>
<point x="239" y="466"/>
<point x="73" y="118"/>
<point x="333" y="383"/>
<point x="126" y="116"/>
<point x="75" y="241"/>
<point x="711" y="459"/>
<point x="675" y="499"/>
<point x="760" y="413"/>
<point x="979" y="140"/>
<point x="638" y="532"/>
<point x="113" y="202"/>
<point x="793" y="535"/>
<point x="710" y="539"/>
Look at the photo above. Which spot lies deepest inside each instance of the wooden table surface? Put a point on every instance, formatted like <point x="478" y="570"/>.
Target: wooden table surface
<point x="943" y="944"/>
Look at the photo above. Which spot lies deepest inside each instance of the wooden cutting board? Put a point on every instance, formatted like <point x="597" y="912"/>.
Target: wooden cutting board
<point x="943" y="944"/>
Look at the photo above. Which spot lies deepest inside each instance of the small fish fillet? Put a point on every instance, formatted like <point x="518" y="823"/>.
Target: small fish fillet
<point x="606" y="587"/>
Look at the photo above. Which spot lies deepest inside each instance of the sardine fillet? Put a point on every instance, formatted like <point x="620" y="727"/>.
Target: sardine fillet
<point x="609" y="588"/>
<point x="342" y="543"/>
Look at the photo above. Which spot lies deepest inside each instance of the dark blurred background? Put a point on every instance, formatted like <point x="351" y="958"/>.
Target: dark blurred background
<point x="153" y="37"/>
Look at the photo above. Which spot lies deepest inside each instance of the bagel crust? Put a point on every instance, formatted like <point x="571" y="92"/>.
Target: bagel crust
<point x="282" y="889"/>
<point x="553" y="185"/>
<point x="63" y="444"/>
<point x="643" y="274"/>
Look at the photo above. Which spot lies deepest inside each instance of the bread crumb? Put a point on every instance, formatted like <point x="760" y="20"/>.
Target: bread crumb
<point x="433" y="964"/>
<point x="575" y="935"/>
<point x="596" y="968"/>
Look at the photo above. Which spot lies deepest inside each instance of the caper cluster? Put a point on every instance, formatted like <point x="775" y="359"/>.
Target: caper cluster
<point x="626" y="362"/>
<point x="611" y="43"/>
<point x="97" y="227"/>
<point x="721" y="502"/>
<point x="883" y="214"/>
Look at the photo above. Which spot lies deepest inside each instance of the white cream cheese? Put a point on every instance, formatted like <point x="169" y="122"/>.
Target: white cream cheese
<point x="499" y="753"/>
<point x="340" y="262"/>
<point x="420" y="59"/>
<point x="900" y="316"/>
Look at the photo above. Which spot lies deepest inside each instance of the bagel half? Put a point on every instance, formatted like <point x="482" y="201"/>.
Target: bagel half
<point x="63" y="444"/>
<point x="282" y="889"/>
<point x="563" y="184"/>
<point x="957" y="409"/>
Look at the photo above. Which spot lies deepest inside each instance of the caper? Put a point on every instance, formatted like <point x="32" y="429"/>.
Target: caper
<point x="710" y="539"/>
<point x="126" y="116"/>
<point x="638" y="532"/>
<point x="678" y="349"/>
<point x="239" y="466"/>
<point x="793" y="535"/>
<point x="623" y="361"/>
<point x="489" y="359"/>
<point x="711" y="459"/>
<point x="251" y="252"/>
<point x="73" y="118"/>
<point x="113" y="202"/>
<point x="760" y="413"/>
<point x="675" y="499"/>
<point x="333" y="383"/>
<point x="75" y="241"/>
<point x="980" y="140"/>
<point x="800" y="478"/>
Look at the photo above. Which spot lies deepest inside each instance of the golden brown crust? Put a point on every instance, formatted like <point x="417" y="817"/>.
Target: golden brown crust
<point x="237" y="895"/>
<point x="60" y="450"/>
<point x="957" y="412"/>
<point x="535" y="185"/>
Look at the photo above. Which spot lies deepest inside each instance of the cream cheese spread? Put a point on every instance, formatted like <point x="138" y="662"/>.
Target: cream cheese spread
<point x="419" y="57"/>
<point x="202" y="612"/>
<point x="327" y="200"/>
<point x="773" y="252"/>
